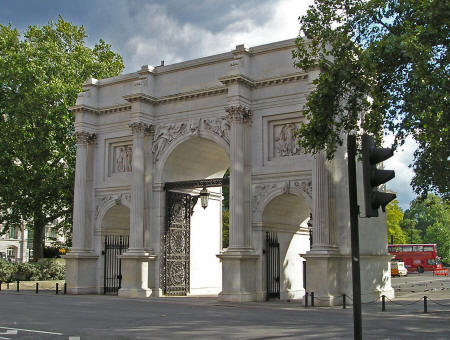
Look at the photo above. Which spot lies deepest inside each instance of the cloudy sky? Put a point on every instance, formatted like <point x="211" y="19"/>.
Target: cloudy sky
<point x="145" y="32"/>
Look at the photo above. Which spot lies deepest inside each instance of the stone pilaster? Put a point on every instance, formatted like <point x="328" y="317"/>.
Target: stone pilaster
<point x="79" y="205"/>
<point x="81" y="262"/>
<point x="239" y="260"/>
<point x="322" y="236"/>
<point x="137" y="188"/>
<point x="136" y="259"/>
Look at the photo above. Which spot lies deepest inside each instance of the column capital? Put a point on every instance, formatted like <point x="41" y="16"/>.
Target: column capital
<point x="238" y="114"/>
<point x="141" y="128"/>
<point x="84" y="137"/>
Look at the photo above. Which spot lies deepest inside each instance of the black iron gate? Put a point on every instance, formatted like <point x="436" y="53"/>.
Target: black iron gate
<point x="175" y="271"/>
<point x="114" y="245"/>
<point x="273" y="265"/>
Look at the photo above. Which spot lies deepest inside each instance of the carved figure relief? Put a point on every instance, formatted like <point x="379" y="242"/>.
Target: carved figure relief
<point x="220" y="127"/>
<point x="166" y="134"/>
<point x="285" y="140"/>
<point x="124" y="155"/>
<point x="104" y="200"/>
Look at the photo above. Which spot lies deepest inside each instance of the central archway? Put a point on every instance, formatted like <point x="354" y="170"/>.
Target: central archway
<point x="195" y="158"/>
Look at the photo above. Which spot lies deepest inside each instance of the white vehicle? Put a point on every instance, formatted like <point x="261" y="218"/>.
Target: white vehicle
<point x="398" y="268"/>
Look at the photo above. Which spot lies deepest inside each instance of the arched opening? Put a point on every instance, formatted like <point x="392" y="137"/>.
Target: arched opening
<point x="115" y="229"/>
<point x="116" y="221"/>
<point x="195" y="159"/>
<point x="285" y="219"/>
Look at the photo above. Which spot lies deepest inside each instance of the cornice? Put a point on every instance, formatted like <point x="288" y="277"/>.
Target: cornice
<point x="103" y="110"/>
<point x="287" y="78"/>
<point x="182" y="96"/>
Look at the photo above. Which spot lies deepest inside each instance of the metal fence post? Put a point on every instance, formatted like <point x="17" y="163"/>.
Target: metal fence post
<point x="306" y="299"/>
<point x="57" y="290"/>
<point x="65" y="288"/>
<point x="343" y="302"/>
<point x="17" y="285"/>
<point x="425" y="306"/>
<point x="1" y="285"/>
<point x="37" y="287"/>
<point x="312" y="299"/>
<point x="383" y="303"/>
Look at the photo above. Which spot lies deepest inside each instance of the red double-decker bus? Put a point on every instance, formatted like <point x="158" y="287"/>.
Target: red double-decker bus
<point x="417" y="257"/>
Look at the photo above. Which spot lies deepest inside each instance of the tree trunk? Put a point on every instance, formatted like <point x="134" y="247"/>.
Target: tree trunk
<point x="38" y="239"/>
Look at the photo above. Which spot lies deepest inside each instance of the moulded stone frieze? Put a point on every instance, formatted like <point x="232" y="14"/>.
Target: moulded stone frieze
<point x="165" y="135"/>
<point x="286" y="143"/>
<point x="220" y="127"/>
<point x="194" y="126"/>
<point x="84" y="137"/>
<point x="238" y="114"/>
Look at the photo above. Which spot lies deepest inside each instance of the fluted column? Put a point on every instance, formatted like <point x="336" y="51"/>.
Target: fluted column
<point x="321" y="215"/>
<point x="240" y="119"/>
<point x="79" y="205"/>
<point x="138" y="186"/>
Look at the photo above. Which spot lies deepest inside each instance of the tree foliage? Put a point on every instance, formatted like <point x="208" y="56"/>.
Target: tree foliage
<point x="41" y="74"/>
<point x="430" y="218"/>
<point x="394" y="216"/>
<point x="386" y="61"/>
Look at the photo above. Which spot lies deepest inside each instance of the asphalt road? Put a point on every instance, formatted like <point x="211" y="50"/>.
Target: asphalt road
<point x="26" y="315"/>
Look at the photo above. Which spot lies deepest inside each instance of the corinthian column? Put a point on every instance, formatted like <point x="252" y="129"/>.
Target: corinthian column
<point x="240" y="118"/>
<point x="138" y="186"/>
<point x="321" y="225"/>
<point x="79" y="205"/>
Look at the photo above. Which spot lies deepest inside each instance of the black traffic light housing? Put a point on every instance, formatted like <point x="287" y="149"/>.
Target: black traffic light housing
<point x="373" y="177"/>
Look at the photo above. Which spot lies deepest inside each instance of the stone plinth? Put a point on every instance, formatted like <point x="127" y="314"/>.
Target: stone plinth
<point x="81" y="272"/>
<point x="238" y="276"/>
<point x="134" y="267"/>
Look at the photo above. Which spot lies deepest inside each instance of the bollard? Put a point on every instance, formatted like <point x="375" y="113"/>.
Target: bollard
<point x="425" y="307"/>
<point x="312" y="299"/>
<point x="343" y="301"/>
<point x="7" y="285"/>
<point x="306" y="299"/>
<point x="1" y="285"/>
<point x="37" y="287"/>
<point x="57" y="292"/>
<point x="383" y="303"/>
<point x="17" y="288"/>
<point x="65" y="288"/>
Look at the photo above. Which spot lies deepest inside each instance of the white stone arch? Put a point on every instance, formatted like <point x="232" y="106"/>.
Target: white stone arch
<point x="264" y="193"/>
<point x="106" y="204"/>
<point x="202" y="133"/>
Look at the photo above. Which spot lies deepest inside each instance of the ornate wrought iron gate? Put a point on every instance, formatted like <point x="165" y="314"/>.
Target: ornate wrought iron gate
<point x="176" y="244"/>
<point x="273" y="265"/>
<point x="114" y="245"/>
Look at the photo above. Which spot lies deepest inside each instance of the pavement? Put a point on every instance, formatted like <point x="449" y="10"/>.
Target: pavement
<point x="26" y="315"/>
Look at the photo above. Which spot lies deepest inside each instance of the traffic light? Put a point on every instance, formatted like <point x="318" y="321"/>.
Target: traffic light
<point x="373" y="177"/>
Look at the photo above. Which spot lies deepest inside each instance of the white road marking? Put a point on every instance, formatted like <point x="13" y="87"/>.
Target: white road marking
<point x="74" y="338"/>
<point x="28" y="330"/>
<point x="4" y="338"/>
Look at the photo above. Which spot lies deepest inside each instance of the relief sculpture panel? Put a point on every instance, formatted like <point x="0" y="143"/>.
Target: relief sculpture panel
<point x="285" y="141"/>
<point x="123" y="156"/>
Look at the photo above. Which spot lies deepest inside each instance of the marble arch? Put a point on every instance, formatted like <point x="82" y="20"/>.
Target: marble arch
<point x="248" y="102"/>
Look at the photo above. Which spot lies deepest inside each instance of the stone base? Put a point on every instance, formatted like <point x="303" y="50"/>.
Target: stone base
<point x="329" y="276"/>
<point x="238" y="276"/>
<point x="134" y="265"/>
<point x="81" y="272"/>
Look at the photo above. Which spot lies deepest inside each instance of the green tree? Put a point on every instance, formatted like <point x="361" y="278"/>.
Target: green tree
<point x="431" y="219"/>
<point x="394" y="216"/>
<point x="41" y="74"/>
<point x="385" y="61"/>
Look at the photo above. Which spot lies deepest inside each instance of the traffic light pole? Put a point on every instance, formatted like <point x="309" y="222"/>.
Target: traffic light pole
<point x="357" y="320"/>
